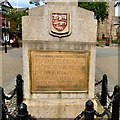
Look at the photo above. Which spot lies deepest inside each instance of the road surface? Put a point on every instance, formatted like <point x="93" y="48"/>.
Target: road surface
<point x="11" y="64"/>
<point x="107" y="62"/>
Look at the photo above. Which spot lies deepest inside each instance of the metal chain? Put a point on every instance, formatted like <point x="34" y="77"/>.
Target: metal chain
<point x="7" y="113"/>
<point x="80" y="115"/>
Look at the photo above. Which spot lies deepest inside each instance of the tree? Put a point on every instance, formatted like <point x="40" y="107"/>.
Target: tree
<point x="100" y="9"/>
<point x="37" y="2"/>
<point x="15" y="18"/>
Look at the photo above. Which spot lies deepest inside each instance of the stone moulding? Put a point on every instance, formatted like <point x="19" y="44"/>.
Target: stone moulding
<point x="59" y="69"/>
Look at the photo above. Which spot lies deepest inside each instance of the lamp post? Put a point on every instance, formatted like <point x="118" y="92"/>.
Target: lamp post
<point x="5" y="43"/>
<point x="4" y="35"/>
<point x="4" y="29"/>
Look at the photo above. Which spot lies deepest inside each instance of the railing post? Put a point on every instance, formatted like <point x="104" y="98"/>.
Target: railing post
<point x="89" y="110"/>
<point x="22" y="112"/>
<point x="116" y="103"/>
<point x="104" y="90"/>
<point x="2" y="102"/>
<point x="19" y="89"/>
<point x="3" y="108"/>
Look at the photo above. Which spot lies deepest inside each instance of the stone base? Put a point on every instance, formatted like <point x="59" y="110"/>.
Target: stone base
<point x="56" y="108"/>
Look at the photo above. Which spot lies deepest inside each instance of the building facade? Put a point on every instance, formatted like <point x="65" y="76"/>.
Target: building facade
<point x="107" y="29"/>
<point x="4" y="23"/>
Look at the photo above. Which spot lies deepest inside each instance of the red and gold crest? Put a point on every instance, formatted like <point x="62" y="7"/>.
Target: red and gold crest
<point x="59" y="21"/>
<point x="60" y="24"/>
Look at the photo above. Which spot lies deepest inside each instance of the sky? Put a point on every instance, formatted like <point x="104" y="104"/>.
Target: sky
<point x="21" y="3"/>
<point x="25" y="3"/>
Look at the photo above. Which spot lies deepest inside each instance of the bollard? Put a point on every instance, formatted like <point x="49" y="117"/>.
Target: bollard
<point x="5" y="46"/>
<point x="116" y="103"/>
<point x="22" y="112"/>
<point x="104" y="91"/>
<point x="19" y="89"/>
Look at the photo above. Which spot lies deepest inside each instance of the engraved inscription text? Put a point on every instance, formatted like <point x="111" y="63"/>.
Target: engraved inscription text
<point x="58" y="71"/>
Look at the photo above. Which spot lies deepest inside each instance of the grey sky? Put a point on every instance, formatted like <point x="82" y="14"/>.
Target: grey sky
<point x="20" y="3"/>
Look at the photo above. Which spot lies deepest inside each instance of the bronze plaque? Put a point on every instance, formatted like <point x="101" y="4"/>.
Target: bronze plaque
<point x="59" y="71"/>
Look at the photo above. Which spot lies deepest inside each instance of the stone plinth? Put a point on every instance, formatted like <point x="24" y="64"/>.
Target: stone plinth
<point x="37" y="36"/>
<point x="57" y="108"/>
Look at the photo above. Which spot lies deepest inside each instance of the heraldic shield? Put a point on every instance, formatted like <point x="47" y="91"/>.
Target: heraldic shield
<point x="60" y="24"/>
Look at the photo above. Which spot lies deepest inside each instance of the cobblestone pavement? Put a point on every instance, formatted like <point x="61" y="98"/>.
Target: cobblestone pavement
<point x="12" y="106"/>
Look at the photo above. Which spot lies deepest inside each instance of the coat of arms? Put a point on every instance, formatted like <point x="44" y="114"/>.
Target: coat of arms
<point x="60" y="24"/>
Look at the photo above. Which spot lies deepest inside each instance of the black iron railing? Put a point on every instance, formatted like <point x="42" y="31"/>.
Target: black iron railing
<point x="111" y="104"/>
<point x="22" y="113"/>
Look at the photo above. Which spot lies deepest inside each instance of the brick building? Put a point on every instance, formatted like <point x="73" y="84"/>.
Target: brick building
<point x="107" y="29"/>
<point x="4" y="23"/>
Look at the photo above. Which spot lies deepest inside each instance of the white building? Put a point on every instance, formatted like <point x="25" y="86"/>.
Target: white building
<point x="117" y="8"/>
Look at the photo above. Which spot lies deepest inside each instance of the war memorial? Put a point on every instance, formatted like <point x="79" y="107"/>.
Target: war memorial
<point x="59" y="53"/>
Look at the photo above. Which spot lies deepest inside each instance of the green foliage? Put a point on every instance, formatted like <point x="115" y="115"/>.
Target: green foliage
<point x="100" y="9"/>
<point x="15" y="17"/>
<point x="115" y="41"/>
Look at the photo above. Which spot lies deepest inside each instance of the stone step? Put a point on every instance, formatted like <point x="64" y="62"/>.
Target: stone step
<point x="57" y="108"/>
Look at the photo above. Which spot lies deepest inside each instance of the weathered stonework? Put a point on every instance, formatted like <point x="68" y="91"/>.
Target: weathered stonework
<point x="36" y="36"/>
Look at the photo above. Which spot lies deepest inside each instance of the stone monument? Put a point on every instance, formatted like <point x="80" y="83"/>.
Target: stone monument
<point x="59" y="52"/>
